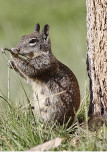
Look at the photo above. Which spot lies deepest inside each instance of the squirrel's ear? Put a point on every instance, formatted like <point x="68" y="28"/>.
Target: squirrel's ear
<point x="45" y="30"/>
<point x="37" y="28"/>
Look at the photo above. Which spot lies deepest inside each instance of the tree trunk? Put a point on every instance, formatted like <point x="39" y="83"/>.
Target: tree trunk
<point x="97" y="55"/>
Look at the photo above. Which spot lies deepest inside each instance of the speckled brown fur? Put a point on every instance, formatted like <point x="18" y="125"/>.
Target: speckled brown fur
<point x="56" y="91"/>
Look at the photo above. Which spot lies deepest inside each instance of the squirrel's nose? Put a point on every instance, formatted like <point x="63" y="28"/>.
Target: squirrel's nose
<point x="15" y="50"/>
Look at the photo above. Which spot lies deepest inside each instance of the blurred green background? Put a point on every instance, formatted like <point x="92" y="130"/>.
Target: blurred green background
<point x="67" y="21"/>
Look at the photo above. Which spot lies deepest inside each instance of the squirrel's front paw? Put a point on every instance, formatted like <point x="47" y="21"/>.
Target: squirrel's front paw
<point x="10" y="64"/>
<point x="14" y="52"/>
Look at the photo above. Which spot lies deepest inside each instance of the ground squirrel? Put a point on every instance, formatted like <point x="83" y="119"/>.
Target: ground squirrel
<point x="56" y="91"/>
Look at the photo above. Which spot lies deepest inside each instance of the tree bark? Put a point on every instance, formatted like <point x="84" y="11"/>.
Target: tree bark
<point x="97" y="55"/>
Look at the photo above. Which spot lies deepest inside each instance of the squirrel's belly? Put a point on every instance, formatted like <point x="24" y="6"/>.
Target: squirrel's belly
<point x="44" y="102"/>
<point x="45" y="107"/>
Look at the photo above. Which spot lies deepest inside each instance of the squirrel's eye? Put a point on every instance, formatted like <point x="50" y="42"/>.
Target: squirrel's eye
<point x="33" y="40"/>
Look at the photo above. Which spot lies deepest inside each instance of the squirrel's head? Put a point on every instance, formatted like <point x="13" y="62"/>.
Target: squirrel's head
<point x="31" y="45"/>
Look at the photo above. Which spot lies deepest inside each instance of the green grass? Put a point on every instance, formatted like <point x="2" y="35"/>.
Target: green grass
<point x="19" y="131"/>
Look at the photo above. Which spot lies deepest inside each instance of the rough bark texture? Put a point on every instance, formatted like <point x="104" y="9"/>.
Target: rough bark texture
<point x="97" y="55"/>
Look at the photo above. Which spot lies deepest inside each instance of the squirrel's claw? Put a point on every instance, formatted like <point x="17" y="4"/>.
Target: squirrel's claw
<point x="10" y="64"/>
<point x="12" y="50"/>
<point x="3" y="50"/>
